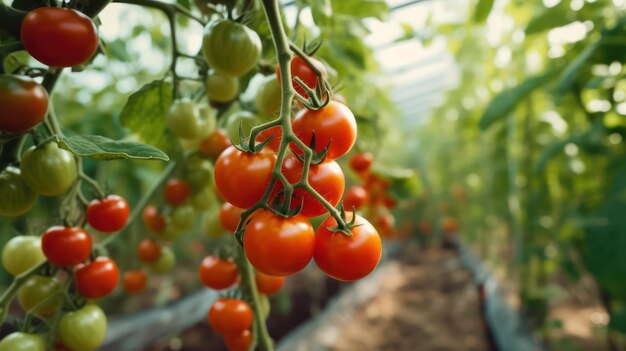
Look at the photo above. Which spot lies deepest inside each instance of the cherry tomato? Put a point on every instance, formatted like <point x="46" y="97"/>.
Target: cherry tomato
<point x="183" y="218"/>
<point x="204" y="200"/>
<point x="230" y="316"/>
<point x="361" y="161"/>
<point x="385" y="223"/>
<point x="38" y="289"/>
<point x="268" y="284"/>
<point x="300" y="69"/>
<point x="19" y="341"/>
<point x="450" y="225"/>
<point x="229" y="216"/>
<point x="177" y="191"/>
<point x="347" y="258"/>
<point x="242" y="177"/>
<point x="134" y="281"/>
<point x="24" y="103"/>
<point x="165" y="263"/>
<point x="278" y="246"/>
<point x="183" y="119"/>
<point x="83" y="329"/>
<point x="231" y="48"/>
<point x="97" y="278"/>
<point x="218" y="273"/>
<point x="214" y="144"/>
<point x="148" y="251"/>
<point x="22" y="253"/>
<point x="153" y="219"/>
<point x="59" y="37"/>
<point x="66" y="246"/>
<point x="171" y="233"/>
<point x="108" y="215"/>
<point x="275" y="132"/>
<point x="199" y="172"/>
<point x="239" y="342"/>
<point x="333" y="125"/>
<point x="390" y="202"/>
<point x="268" y="97"/>
<point x="241" y="119"/>
<point x="17" y="197"/>
<point x="48" y="170"/>
<point x="221" y="88"/>
<point x="355" y="197"/>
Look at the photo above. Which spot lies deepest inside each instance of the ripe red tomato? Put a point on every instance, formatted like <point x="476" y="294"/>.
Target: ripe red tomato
<point x="97" y="279"/>
<point x="279" y="246"/>
<point x="59" y="37"/>
<point x="148" y="251"/>
<point x="276" y="132"/>
<point x="268" y="284"/>
<point x="24" y="103"/>
<point x="66" y="246"/>
<point x="218" y="273"/>
<point x="176" y="191"/>
<point x="361" y="161"/>
<point x="153" y="219"/>
<point x="333" y="124"/>
<point x="229" y="216"/>
<point x="230" y="316"/>
<point x="347" y="258"/>
<point x="355" y="197"/>
<point x="242" y="177"/>
<point x="134" y="281"/>
<point x="214" y="144"/>
<point x="450" y="225"/>
<point x="239" y="342"/>
<point x="108" y="215"/>
<point x="326" y="178"/>
<point x="301" y="69"/>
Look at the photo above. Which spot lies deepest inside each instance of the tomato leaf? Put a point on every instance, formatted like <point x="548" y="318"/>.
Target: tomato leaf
<point x="101" y="148"/>
<point x="145" y="111"/>
<point x="506" y="101"/>
<point x="483" y="8"/>
<point x="571" y="70"/>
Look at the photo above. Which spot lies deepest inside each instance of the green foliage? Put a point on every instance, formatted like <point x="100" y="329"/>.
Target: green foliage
<point x="101" y="148"/>
<point x="483" y="8"/>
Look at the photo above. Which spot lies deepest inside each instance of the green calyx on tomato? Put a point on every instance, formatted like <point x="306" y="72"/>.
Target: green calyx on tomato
<point x="39" y="292"/>
<point x="221" y="88"/>
<point x="17" y="197"/>
<point x="24" y="103"/>
<point x="48" y="170"/>
<point x="83" y="329"/>
<point x="231" y="48"/>
<point x="21" y="254"/>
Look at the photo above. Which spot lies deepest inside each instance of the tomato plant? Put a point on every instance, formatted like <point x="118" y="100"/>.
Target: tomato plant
<point x="302" y="70"/>
<point x="279" y="246"/>
<point x="242" y="177"/>
<point x="231" y="48"/>
<point x="66" y="246"/>
<point x="344" y="257"/>
<point x="48" y="170"/>
<point x="334" y="126"/>
<point x="97" y="278"/>
<point x="83" y="329"/>
<point x="275" y="133"/>
<point x="59" y="37"/>
<point x="22" y="253"/>
<point x="230" y="316"/>
<point x="17" y="197"/>
<point x="24" y="103"/>
<point x="218" y="273"/>
<point x="108" y="215"/>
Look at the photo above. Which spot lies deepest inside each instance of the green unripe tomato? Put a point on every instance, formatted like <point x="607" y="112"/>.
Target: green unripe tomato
<point x="204" y="200"/>
<point x="83" y="329"/>
<point x="38" y="289"/>
<point x="48" y="170"/>
<point x="241" y="118"/>
<point x="165" y="263"/>
<point x="199" y="172"/>
<point x="268" y="97"/>
<point x="221" y="88"/>
<point x="231" y="48"/>
<point x="183" y="217"/>
<point x="170" y="233"/>
<point x="183" y="119"/>
<point x="19" y="341"/>
<point x="209" y="116"/>
<point x="22" y="253"/>
<point x="17" y="197"/>
<point x="211" y="224"/>
<point x="15" y="60"/>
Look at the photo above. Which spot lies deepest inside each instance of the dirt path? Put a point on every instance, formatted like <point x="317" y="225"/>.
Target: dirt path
<point x="430" y="304"/>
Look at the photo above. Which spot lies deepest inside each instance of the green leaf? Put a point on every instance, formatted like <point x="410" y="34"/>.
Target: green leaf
<point x="101" y="148"/>
<point x="570" y="72"/>
<point x="483" y="8"/>
<point x="145" y="111"/>
<point x="361" y="8"/>
<point x="553" y="17"/>
<point x="506" y="101"/>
